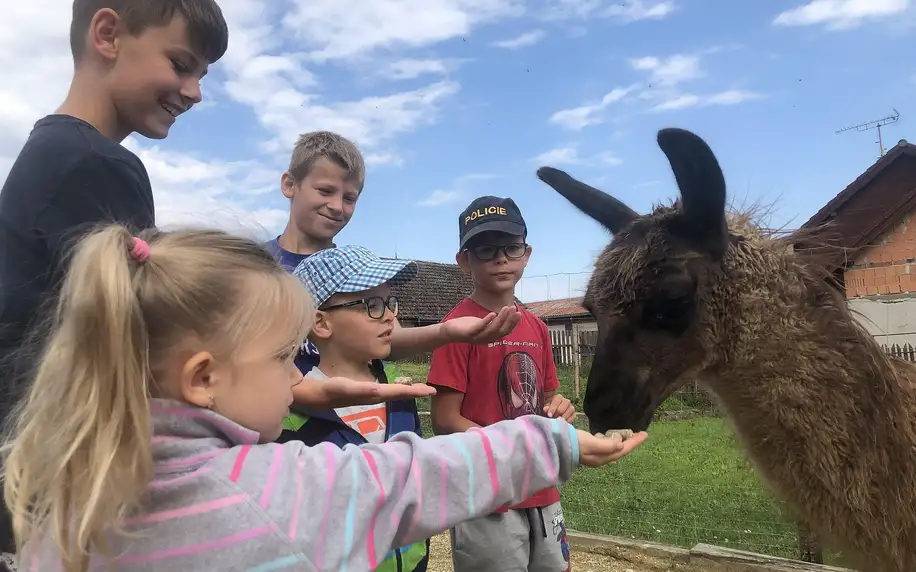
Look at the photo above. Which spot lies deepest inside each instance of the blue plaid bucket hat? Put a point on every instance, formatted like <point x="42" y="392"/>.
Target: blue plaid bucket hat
<point x="350" y="269"/>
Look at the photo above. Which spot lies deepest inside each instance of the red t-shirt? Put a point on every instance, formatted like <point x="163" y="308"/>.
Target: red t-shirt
<point x="501" y="380"/>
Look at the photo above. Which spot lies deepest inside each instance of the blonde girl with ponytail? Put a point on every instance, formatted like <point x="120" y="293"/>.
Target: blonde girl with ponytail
<point x="145" y="440"/>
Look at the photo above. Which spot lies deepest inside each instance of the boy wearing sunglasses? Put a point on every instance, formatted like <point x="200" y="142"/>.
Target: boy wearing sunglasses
<point x="355" y="319"/>
<point x="479" y="385"/>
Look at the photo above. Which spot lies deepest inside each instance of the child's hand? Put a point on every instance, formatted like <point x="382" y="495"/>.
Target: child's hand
<point x="342" y="392"/>
<point x="482" y="330"/>
<point x="595" y="451"/>
<point x="559" y="406"/>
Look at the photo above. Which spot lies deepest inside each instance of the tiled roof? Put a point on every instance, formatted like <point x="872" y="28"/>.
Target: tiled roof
<point x="564" y="308"/>
<point x="866" y="209"/>
<point x="433" y="293"/>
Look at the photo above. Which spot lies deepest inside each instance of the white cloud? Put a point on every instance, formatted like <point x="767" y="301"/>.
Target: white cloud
<point x="578" y="118"/>
<point x="194" y="191"/>
<point x="623" y="11"/>
<point x="841" y="14"/>
<point x="522" y="41"/>
<point x="686" y="100"/>
<point x="35" y="50"/>
<point x="411" y="68"/>
<point x="668" y="76"/>
<point x="441" y="197"/>
<point x="460" y="188"/>
<point x="669" y="72"/>
<point x="634" y="10"/>
<point x="732" y="97"/>
<point x="681" y="101"/>
<point x="663" y="91"/>
<point x="347" y="28"/>
<point x="379" y="159"/>
<point x="286" y="97"/>
<point x="569" y="155"/>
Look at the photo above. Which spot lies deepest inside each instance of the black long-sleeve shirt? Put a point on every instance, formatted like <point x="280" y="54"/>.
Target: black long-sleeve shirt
<point x="68" y="179"/>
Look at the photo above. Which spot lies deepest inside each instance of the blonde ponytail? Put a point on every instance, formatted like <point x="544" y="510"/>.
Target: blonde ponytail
<point x="79" y="459"/>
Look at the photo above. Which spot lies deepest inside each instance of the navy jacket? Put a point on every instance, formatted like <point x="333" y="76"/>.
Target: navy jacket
<point x="325" y="426"/>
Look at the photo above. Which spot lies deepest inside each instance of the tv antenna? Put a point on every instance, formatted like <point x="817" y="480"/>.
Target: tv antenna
<point x="876" y="125"/>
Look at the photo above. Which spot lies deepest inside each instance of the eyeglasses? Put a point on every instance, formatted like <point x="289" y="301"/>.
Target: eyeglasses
<point x="375" y="306"/>
<point x="512" y="251"/>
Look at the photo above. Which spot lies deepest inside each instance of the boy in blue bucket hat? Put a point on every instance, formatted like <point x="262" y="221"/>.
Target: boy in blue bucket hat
<point x="355" y="319"/>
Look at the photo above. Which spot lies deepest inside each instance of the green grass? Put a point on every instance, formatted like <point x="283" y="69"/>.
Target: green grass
<point x="688" y="484"/>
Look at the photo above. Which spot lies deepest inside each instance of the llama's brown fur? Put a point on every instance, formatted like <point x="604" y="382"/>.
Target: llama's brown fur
<point x="828" y="418"/>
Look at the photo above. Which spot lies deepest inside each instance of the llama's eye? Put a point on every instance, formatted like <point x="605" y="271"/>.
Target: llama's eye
<point x="669" y="314"/>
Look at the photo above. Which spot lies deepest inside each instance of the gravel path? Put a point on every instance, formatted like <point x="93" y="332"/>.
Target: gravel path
<point x="441" y="561"/>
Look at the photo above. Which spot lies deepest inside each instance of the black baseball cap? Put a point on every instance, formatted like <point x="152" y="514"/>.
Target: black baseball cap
<point x="489" y="214"/>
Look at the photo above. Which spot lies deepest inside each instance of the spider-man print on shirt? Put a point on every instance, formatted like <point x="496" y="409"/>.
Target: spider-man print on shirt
<point x="518" y="387"/>
<point x="559" y="531"/>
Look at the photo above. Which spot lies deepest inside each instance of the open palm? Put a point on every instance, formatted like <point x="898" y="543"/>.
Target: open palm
<point x="484" y="330"/>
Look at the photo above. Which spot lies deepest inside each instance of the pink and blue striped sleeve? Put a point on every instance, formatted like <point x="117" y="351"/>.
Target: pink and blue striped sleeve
<point x="345" y="509"/>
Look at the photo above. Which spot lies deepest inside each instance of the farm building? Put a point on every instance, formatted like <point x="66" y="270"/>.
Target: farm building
<point x="562" y="314"/>
<point x="868" y="231"/>
<point x="567" y="321"/>
<point x="432" y="294"/>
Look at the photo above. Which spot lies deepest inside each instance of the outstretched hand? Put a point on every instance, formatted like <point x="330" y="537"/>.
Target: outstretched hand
<point x="342" y="392"/>
<point x="484" y="330"/>
<point x="596" y="451"/>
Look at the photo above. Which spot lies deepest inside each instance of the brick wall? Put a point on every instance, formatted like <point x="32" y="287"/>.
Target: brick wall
<point x="888" y="267"/>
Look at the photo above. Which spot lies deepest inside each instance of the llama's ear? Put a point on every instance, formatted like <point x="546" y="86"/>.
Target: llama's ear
<point x="602" y="207"/>
<point x="702" y="187"/>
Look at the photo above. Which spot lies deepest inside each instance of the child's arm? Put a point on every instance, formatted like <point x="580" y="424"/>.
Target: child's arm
<point x="340" y="392"/>
<point x="448" y="372"/>
<point x="445" y="413"/>
<point x="555" y="405"/>
<point x="347" y="508"/>
<point x="407" y="342"/>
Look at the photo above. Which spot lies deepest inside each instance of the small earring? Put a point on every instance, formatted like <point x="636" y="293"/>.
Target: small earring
<point x="210" y="404"/>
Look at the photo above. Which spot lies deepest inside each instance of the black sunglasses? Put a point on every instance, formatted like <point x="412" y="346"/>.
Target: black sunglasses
<point x="375" y="306"/>
<point x="485" y="253"/>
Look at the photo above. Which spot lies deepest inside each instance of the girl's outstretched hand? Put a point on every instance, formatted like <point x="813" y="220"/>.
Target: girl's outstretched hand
<point x="599" y="450"/>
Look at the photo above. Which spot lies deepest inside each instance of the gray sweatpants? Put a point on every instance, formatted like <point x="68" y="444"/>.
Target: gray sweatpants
<point x="526" y="540"/>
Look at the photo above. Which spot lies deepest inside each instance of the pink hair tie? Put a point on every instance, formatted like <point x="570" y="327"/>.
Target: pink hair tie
<point x="140" y="250"/>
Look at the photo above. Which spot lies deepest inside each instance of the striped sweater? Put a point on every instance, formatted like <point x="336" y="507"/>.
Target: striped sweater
<point x="220" y="501"/>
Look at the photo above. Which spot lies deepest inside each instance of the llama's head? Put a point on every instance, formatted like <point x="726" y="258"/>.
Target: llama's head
<point x="653" y="291"/>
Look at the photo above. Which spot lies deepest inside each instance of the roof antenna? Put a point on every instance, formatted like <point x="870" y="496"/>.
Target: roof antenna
<point x="877" y="125"/>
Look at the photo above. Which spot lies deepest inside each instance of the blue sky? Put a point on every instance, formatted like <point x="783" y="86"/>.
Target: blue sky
<point x="451" y="99"/>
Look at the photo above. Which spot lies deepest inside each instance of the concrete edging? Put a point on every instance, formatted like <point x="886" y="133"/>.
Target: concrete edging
<point x="720" y="558"/>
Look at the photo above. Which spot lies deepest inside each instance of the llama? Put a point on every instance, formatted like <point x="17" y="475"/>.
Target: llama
<point x="688" y="292"/>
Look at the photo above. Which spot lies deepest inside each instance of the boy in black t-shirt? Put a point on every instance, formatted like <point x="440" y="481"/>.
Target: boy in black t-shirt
<point x="138" y="66"/>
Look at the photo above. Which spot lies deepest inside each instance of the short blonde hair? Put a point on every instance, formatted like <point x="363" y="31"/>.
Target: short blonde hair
<point x="78" y="459"/>
<point x="315" y="145"/>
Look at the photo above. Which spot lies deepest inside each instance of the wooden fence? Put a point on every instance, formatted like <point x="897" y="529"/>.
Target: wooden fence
<point x="570" y="347"/>
<point x="905" y="352"/>
<point x="566" y="345"/>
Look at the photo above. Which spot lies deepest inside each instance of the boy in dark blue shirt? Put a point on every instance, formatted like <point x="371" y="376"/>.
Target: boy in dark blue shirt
<point x="138" y="65"/>
<point x="323" y="183"/>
